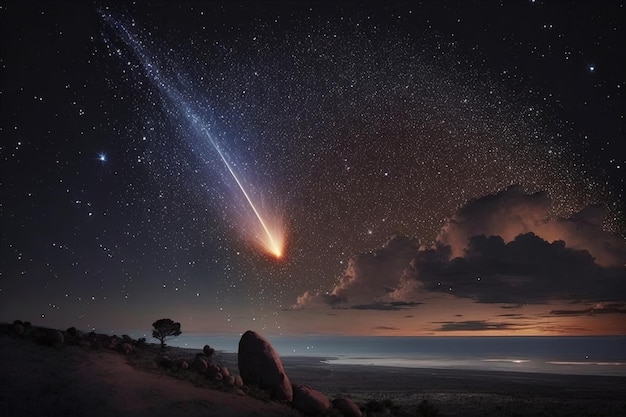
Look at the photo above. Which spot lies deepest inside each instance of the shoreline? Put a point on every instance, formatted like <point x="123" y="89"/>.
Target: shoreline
<point x="324" y="370"/>
<point x="569" y="355"/>
<point x="75" y="379"/>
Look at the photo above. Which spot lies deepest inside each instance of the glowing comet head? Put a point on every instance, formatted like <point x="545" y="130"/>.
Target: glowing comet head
<point x="269" y="236"/>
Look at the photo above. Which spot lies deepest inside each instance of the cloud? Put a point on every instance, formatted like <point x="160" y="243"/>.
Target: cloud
<point x="502" y="248"/>
<point x="476" y="325"/>
<point x="369" y="277"/>
<point x="524" y="271"/>
<point x="512" y="212"/>
<point x="598" y="309"/>
<point x="507" y="214"/>
<point x="385" y="328"/>
<point x="310" y="298"/>
<point x="386" y="306"/>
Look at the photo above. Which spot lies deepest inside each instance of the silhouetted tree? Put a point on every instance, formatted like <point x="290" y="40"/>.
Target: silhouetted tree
<point x="165" y="328"/>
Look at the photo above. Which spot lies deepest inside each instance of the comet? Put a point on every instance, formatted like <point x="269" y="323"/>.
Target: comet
<point x="264" y="227"/>
<point x="273" y="244"/>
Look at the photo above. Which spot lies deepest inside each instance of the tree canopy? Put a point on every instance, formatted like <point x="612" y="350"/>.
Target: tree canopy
<point x="165" y="328"/>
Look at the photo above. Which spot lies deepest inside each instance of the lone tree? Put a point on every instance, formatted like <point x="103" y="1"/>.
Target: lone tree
<point x="165" y="328"/>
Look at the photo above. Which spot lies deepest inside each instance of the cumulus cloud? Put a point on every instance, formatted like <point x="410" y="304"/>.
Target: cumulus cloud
<point x="502" y="248"/>
<point x="512" y="212"/>
<point x="369" y="277"/>
<point x="507" y="214"/>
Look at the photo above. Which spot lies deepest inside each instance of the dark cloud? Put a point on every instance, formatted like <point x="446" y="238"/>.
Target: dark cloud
<point x="385" y="328"/>
<point x="393" y="306"/>
<point x="512" y="212"/>
<point x="525" y="270"/>
<point x="476" y="325"/>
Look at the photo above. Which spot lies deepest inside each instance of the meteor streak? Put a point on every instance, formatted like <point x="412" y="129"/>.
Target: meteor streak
<point x="267" y="230"/>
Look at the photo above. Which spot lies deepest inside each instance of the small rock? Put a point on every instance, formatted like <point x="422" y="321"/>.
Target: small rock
<point x="229" y="381"/>
<point x="126" y="348"/>
<point x="18" y="329"/>
<point x="208" y="350"/>
<point x="224" y="371"/>
<point x="53" y="337"/>
<point x="309" y="400"/>
<point x="347" y="407"/>
<point x="165" y="361"/>
<point x="71" y="331"/>
<point x="200" y="365"/>
<point x="213" y="370"/>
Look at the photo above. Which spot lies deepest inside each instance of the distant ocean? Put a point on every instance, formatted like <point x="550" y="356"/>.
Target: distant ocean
<point x="596" y="355"/>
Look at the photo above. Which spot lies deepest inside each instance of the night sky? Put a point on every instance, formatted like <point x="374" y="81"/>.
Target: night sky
<point x="450" y="168"/>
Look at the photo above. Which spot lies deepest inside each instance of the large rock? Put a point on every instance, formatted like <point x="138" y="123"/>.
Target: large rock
<point x="309" y="400"/>
<point x="260" y="365"/>
<point x="347" y="407"/>
<point x="52" y="337"/>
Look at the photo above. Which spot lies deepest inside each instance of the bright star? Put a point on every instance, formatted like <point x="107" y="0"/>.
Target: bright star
<point x="102" y="157"/>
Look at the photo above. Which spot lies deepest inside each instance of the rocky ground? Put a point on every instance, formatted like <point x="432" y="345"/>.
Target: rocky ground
<point x="49" y="373"/>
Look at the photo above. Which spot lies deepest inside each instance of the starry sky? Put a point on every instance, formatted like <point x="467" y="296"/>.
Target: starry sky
<point x="446" y="168"/>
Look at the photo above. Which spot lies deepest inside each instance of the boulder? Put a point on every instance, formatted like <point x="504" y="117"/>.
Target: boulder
<point x="229" y="381"/>
<point x="126" y="348"/>
<point x="238" y="381"/>
<point x="347" y="407"/>
<point x="212" y="370"/>
<point x="18" y="329"/>
<point x="224" y="371"/>
<point x="309" y="400"/>
<point x="200" y="365"/>
<point x="183" y="364"/>
<point x="53" y="337"/>
<point x="260" y="365"/>
<point x="208" y="350"/>
<point x="112" y="342"/>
